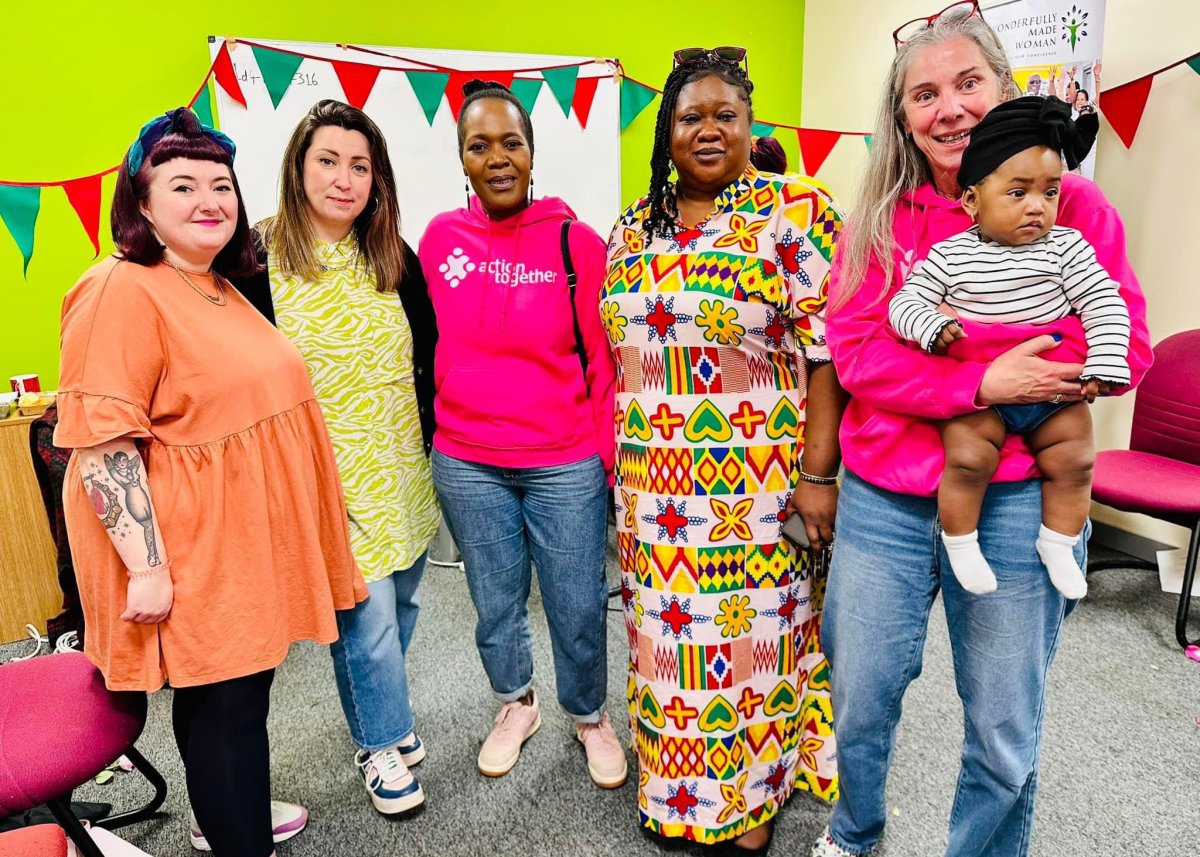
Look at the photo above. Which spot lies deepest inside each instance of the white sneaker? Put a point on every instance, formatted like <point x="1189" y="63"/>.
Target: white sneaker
<point x="287" y="819"/>
<point x="390" y="783"/>
<point x="826" y="847"/>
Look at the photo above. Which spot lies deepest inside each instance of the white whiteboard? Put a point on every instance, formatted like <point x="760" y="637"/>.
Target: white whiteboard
<point x="581" y="165"/>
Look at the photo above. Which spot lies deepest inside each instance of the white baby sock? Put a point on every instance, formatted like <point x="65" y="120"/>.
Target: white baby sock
<point x="1058" y="555"/>
<point x="968" y="564"/>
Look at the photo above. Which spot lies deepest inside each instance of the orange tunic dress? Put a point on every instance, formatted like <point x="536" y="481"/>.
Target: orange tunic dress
<point x="239" y="466"/>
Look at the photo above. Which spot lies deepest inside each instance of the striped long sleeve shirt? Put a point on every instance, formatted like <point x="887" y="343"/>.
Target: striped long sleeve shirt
<point x="1039" y="282"/>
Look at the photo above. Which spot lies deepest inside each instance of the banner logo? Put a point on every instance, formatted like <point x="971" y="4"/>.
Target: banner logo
<point x="1074" y="26"/>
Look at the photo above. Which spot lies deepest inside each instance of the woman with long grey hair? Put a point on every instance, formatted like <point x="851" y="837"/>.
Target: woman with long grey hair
<point x="889" y="561"/>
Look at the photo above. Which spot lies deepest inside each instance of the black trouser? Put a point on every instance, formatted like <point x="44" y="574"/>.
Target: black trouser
<point x="221" y="731"/>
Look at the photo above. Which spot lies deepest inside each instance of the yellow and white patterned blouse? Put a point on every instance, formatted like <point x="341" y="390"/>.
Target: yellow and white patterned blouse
<point x="357" y="345"/>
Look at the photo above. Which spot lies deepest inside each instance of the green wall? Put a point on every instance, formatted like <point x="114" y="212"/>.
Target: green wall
<point x="81" y="77"/>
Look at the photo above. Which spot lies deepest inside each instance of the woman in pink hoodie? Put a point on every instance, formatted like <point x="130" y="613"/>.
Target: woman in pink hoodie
<point x="889" y="562"/>
<point x="524" y="442"/>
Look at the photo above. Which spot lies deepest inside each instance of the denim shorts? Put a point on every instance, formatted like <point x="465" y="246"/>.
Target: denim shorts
<point x="1022" y="419"/>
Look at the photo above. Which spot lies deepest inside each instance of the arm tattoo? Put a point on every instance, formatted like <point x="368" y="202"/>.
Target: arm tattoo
<point x="125" y="472"/>
<point x="104" y="501"/>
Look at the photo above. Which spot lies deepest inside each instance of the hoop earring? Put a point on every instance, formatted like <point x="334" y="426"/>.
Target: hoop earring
<point x="467" y="190"/>
<point x="374" y="206"/>
<point x="530" y="189"/>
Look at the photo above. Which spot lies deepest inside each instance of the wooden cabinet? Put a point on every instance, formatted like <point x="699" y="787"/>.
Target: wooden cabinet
<point x="29" y="592"/>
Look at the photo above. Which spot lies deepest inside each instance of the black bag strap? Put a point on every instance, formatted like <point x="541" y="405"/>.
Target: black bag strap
<point x="569" y="267"/>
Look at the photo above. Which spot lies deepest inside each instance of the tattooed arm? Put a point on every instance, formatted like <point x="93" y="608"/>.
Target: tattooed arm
<point x="115" y="480"/>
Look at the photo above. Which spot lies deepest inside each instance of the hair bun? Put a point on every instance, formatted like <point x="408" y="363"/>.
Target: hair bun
<point x="477" y="85"/>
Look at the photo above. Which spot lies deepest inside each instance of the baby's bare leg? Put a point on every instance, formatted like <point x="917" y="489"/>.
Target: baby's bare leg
<point x="972" y="444"/>
<point x="1066" y="456"/>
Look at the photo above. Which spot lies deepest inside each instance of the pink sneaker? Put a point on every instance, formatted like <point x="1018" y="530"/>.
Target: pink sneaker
<point x="605" y="755"/>
<point x="515" y="722"/>
<point x="287" y="819"/>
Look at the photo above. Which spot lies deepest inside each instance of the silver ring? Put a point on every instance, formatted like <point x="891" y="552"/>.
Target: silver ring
<point x="1057" y="400"/>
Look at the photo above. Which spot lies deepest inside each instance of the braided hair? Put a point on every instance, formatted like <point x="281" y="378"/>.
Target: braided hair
<point x="660" y="220"/>
<point x="476" y="90"/>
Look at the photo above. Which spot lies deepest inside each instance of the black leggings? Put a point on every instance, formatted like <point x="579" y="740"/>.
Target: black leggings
<point x="221" y="731"/>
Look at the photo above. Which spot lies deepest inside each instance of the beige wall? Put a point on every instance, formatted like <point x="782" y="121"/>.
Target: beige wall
<point x="1155" y="184"/>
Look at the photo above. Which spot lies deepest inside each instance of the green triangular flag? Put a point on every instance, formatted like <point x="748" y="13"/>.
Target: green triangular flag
<point x="869" y="140"/>
<point x="429" y="87"/>
<point x="526" y="90"/>
<point x="1194" y="62"/>
<point x="562" y="83"/>
<point x="277" y="69"/>
<point x="634" y="98"/>
<point x="203" y="106"/>
<point x="19" y="210"/>
<point x="761" y="129"/>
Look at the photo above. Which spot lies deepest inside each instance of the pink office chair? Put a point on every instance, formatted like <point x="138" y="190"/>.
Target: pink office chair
<point x="59" y="727"/>
<point x="1159" y="475"/>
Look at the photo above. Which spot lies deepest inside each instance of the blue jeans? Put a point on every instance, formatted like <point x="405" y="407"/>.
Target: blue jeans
<point x="500" y="517"/>
<point x="368" y="659"/>
<point x="888" y="565"/>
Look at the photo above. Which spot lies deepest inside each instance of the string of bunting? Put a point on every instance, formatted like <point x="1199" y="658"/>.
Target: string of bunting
<point x="20" y="202"/>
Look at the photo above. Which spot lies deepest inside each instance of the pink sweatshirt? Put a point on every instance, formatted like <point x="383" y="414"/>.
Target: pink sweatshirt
<point x="510" y="387"/>
<point x="887" y="435"/>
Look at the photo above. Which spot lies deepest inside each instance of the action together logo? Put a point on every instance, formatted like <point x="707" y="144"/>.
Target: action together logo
<point x="1074" y="26"/>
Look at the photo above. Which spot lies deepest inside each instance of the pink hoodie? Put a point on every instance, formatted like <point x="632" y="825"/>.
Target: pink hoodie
<point x="510" y="388"/>
<point x="887" y="435"/>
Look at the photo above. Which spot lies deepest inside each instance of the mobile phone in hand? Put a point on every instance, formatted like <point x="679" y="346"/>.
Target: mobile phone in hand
<point x="794" y="531"/>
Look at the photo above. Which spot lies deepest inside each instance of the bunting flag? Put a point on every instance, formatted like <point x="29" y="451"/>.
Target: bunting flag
<point x="357" y="80"/>
<point x="585" y="94"/>
<point x="226" y="76"/>
<point x="1123" y="107"/>
<point x="202" y="106"/>
<point x="562" y="83"/>
<point x="84" y="196"/>
<point x="634" y="98"/>
<point x="454" y="93"/>
<point x="277" y="69"/>
<point x="19" y="210"/>
<point x="428" y="86"/>
<point x="815" y="146"/>
<point x="526" y="89"/>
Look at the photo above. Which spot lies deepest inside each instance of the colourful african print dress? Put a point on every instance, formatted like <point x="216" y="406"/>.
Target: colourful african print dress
<point x="728" y="688"/>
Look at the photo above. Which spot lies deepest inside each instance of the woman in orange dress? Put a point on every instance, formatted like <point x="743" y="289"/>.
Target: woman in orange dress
<point x="207" y="524"/>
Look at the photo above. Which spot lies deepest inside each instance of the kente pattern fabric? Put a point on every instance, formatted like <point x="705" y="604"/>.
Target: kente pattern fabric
<point x="728" y="688"/>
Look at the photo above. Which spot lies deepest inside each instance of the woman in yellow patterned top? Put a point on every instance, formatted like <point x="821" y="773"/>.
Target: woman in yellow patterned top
<point x="348" y="291"/>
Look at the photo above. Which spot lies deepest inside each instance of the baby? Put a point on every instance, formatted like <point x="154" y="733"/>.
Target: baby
<point x="1016" y="266"/>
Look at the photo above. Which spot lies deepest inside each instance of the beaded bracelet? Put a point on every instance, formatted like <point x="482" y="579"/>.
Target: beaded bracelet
<point x="818" y="480"/>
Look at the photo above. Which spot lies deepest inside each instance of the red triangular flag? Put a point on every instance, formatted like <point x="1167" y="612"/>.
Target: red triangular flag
<point x="585" y="93"/>
<point x="357" y="80"/>
<point x="815" y="147"/>
<point x="1123" y="107"/>
<point x="84" y="196"/>
<point x="226" y="77"/>
<point x="454" y="94"/>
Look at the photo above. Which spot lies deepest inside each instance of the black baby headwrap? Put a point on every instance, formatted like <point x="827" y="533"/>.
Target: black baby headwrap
<point x="1014" y="126"/>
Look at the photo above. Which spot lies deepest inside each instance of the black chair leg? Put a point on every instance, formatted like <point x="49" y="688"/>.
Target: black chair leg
<point x="1185" y="596"/>
<point x="150" y="809"/>
<point x="61" y="809"/>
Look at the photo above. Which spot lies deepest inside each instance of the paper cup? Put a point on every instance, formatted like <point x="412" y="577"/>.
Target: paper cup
<point x="22" y="384"/>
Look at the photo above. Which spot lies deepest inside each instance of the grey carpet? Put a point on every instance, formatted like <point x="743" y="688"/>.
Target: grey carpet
<point x="1120" y="770"/>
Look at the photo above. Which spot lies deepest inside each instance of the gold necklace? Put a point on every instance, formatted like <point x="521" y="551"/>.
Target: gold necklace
<point x="219" y="300"/>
